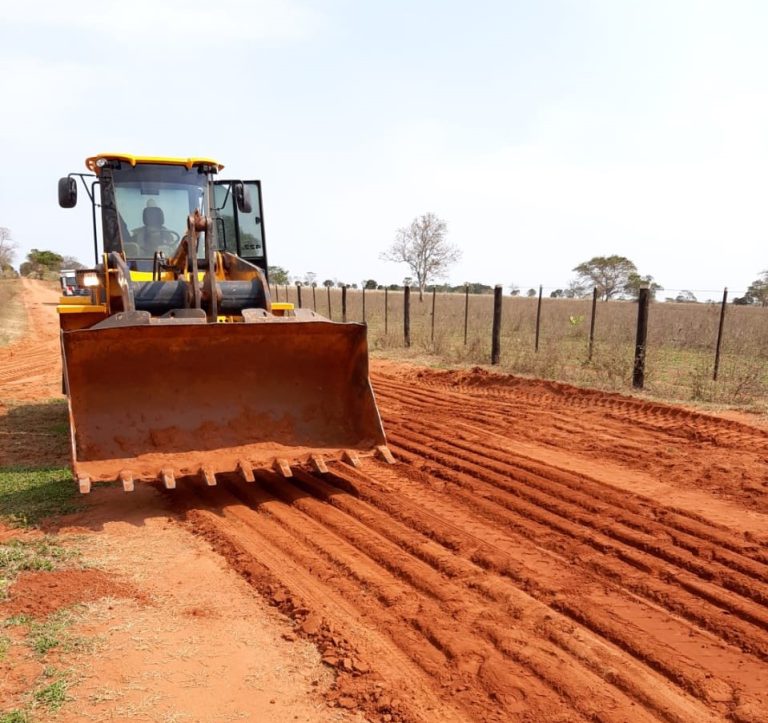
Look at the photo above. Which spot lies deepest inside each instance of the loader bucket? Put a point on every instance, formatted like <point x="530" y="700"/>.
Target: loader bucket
<point x="154" y="401"/>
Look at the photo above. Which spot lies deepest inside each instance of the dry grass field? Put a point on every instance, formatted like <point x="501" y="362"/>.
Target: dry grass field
<point x="681" y="340"/>
<point x="12" y="321"/>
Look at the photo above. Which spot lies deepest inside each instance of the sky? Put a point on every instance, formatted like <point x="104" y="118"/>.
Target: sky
<point x="544" y="133"/>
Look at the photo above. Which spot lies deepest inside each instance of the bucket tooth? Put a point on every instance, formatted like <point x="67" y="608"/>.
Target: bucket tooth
<point x="126" y="477"/>
<point x="351" y="458"/>
<point x="383" y="451"/>
<point x="281" y="466"/>
<point x="208" y="475"/>
<point x="318" y="463"/>
<point x="245" y="470"/>
<point x="167" y="478"/>
<point x="84" y="483"/>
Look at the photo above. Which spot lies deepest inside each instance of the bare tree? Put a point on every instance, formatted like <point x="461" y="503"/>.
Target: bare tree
<point x="423" y="246"/>
<point x="70" y="262"/>
<point x="7" y="247"/>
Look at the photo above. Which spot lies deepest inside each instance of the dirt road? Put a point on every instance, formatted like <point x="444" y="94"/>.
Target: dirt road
<point x="540" y="552"/>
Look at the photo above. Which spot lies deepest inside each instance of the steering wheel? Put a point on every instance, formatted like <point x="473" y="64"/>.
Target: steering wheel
<point x="175" y="238"/>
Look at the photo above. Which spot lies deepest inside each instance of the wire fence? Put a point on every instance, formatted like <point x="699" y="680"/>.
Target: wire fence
<point x="714" y="352"/>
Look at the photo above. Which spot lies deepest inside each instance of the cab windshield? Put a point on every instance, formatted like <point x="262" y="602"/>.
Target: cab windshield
<point x="153" y="202"/>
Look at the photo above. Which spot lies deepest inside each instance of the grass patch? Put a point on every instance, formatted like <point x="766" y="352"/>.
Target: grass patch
<point x="53" y="632"/>
<point x="30" y="495"/>
<point x="53" y="695"/>
<point x="15" y="716"/>
<point x="21" y="555"/>
<point x="5" y="646"/>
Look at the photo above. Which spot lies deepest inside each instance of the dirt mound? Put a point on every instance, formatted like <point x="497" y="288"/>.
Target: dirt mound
<point x="38" y="594"/>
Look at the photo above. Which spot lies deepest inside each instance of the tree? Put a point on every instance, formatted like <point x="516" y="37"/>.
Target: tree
<point x="329" y="283"/>
<point x="635" y="282"/>
<point x="514" y="290"/>
<point x="278" y="275"/>
<point x="423" y="246"/>
<point x="41" y="264"/>
<point x="7" y="247"/>
<point x="531" y="292"/>
<point x="70" y="262"/>
<point x="686" y="297"/>
<point x="369" y="284"/>
<point x="310" y="278"/>
<point x="757" y="293"/>
<point x="609" y="274"/>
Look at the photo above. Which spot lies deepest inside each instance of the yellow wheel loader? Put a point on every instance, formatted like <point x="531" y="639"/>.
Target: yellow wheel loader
<point x="176" y="361"/>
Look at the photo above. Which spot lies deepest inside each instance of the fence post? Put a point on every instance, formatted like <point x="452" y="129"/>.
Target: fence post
<point x="496" y="333"/>
<point x="344" y="303"/>
<point x="466" y="311"/>
<point x="434" y="293"/>
<point x="314" y="297"/>
<point x="285" y="289"/>
<point x="592" y="324"/>
<point x="538" y="319"/>
<point x="407" y="315"/>
<point x="638" y="372"/>
<point x="363" y="303"/>
<point x="386" y="311"/>
<point x="277" y="293"/>
<point x="298" y="292"/>
<point x="720" y="334"/>
<point x="330" y="314"/>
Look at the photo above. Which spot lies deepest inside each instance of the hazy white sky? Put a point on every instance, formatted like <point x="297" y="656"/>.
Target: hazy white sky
<point x="544" y="132"/>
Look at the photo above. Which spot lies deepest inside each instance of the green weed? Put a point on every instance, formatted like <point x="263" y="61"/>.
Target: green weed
<point x="30" y="495"/>
<point x="15" y="716"/>
<point x="53" y="695"/>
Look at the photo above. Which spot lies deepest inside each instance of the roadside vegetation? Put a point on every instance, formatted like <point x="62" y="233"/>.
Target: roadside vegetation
<point x="12" y="318"/>
<point x="681" y="340"/>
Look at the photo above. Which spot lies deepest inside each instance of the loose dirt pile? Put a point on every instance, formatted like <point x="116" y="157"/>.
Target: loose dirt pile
<point x="540" y="552"/>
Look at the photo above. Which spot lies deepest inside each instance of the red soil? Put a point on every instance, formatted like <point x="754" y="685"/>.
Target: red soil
<point x="38" y="594"/>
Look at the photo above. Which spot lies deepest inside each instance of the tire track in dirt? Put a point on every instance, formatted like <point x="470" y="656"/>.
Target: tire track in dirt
<point x="696" y="596"/>
<point x="725" y="457"/>
<point x="428" y="599"/>
<point x="512" y="588"/>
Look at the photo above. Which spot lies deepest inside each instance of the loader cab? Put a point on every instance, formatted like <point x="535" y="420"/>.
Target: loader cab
<point x="145" y="203"/>
<point x="145" y="207"/>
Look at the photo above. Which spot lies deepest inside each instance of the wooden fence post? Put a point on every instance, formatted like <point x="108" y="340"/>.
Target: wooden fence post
<point x="407" y="315"/>
<point x="285" y="289"/>
<point x="638" y="372"/>
<point x="720" y="334"/>
<point x="434" y="293"/>
<point x="277" y="293"/>
<point x="298" y="292"/>
<point x="538" y="320"/>
<point x="466" y="311"/>
<point x="330" y="314"/>
<point x="592" y="324"/>
<point x="344" y="303"/>
<point x="363" y="303"/>
<point x="386" y="311"/>
<point x="314" y="297"/>
<point x="496" y="332"/>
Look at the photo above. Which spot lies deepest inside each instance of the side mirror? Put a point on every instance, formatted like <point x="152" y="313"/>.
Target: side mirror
<point x="242" y="198"/>
<point x="67" y="192"/>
